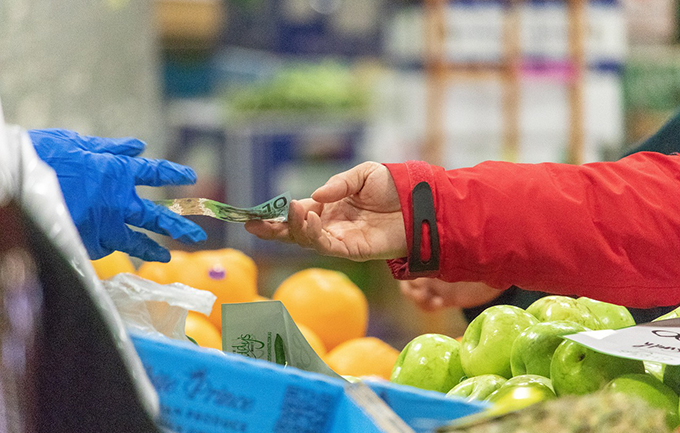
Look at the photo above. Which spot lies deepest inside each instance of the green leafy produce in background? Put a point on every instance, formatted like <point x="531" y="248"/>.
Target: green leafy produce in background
<point x="302" y="87"/>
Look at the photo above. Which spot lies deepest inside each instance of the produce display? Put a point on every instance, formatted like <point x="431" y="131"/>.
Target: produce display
<point x="302" y="87"/>
<point x="326" y="301"/>
<point x="651" y="389"/>
<point x="519" y="391"/>
<point x="430" y="361"/>
<point x="477" y="387"/>
<point x="327" y="307"/>
<point x="516" y="360"/>
<point x="576" y="369"/>
<point x="552" y="308"/>
<point x="227" y="273"/>
<point x="363" y="356"/>
<point x="487" y="342"/>
<point x="533" y="349"/>
<point x="202" y="331"/>
<point x="115" y="263"/>
<point x="513" y="358"/>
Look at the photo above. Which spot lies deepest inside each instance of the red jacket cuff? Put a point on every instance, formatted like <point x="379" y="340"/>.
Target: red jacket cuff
<point x="406" y="176"/>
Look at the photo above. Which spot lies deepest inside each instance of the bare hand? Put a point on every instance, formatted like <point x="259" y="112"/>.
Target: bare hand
<point x="431" y="294"/>
<point x="355" y="215"/>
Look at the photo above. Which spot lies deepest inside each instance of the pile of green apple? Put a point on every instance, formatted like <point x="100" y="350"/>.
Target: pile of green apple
<point x="512" y="357"/>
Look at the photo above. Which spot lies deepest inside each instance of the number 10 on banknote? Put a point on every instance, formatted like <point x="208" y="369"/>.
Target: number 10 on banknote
<point x="275" y="209"/>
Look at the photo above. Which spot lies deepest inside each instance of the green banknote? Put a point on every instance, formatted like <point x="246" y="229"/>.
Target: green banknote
<point x="275" y="209"/>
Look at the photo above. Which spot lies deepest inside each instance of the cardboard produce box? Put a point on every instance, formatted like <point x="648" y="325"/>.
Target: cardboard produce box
<point x="204" y="390"/>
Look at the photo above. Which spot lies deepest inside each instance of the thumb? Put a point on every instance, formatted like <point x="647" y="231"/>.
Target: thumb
<point x="343" y="184"/>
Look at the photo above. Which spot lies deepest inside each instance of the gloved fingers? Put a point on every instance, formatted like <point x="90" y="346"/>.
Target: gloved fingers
<point x="96" y="252"/>
<point x="159" y="172"/>
<point x="140" y="245"/>
<point x="162" y="220"/>
<point x="127" y="146"/>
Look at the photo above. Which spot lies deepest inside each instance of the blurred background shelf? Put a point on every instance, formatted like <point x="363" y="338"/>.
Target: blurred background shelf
<point x="263" y="96"/>
<point x="503" y="25"/>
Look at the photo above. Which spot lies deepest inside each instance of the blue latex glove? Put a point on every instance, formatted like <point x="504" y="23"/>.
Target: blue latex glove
<point x="98" y="178"/>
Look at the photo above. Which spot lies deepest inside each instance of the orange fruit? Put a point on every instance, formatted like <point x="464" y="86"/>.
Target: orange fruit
<point x="115" y="263"/>
<point x="259" y="298"/>
<point x="313" y="340"/>
<point x="326" y="301"/>
<point x="229" y="274"/>
<point x="202" y="331"/>
<point x="163" y="273"/>
<point x="366" y="356"/>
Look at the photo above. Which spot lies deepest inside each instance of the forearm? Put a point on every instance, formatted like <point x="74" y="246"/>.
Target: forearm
<point x="606" y="230"/>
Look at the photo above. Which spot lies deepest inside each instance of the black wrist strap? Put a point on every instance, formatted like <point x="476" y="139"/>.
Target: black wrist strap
<point x="423" y="213"/>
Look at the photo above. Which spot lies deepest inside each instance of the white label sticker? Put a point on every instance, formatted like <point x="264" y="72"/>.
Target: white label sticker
<point x="654" y="341"/>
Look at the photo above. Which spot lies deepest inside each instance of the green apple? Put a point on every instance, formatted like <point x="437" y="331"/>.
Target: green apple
<point x="611" y="316"/>
<point x="650" y="389"/>
<point x="576" y="369"/>
<point x="555" y="307"/>
<point x="487" y="341"/>
<point x="477" y="387"/>
<point x="656" y="369"/>
<point x="429" y="361"/>
<point x="671" y="377"/>
<point x="519" y="392"/>
<point x="670" y="315"/>
<point x="533" y="349"/>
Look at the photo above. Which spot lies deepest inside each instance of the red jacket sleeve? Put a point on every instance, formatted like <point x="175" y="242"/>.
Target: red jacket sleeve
<point x="607" y="230"/>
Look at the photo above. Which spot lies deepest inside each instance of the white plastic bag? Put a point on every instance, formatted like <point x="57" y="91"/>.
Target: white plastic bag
<point x="151" y="308"/>
<point x="24" y="177"/>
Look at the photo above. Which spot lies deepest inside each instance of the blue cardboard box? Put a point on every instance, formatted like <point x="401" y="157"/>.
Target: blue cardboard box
<point x="422" y="410"/>
<point x="204" y="390"/>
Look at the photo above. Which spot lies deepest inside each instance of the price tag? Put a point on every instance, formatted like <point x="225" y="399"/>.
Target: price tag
<point x="654" y="341"/>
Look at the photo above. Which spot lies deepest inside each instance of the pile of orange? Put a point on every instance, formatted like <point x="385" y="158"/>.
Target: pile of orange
<point x="200" y="329"/>
<point x="327" y="302"/>
<point x="163" y="273"/>
<point x="228" y="273"/>
<point x="313" y="339"/>
<point x="328" y="308"/>
<point x="113" y="264"/>
<point x="366" y="356"/>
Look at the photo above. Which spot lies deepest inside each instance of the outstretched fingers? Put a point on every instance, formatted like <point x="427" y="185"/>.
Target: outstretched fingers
<point x="297" y="225"/>
<point x="325" y="242"/>
<point x="303" y="227"/>
<point x="128" y="146"/>
<point x="162" y="220"/>
<point x="142" y="246"/>
<point x="157" y="172"/>
<point x="268" y="231"/>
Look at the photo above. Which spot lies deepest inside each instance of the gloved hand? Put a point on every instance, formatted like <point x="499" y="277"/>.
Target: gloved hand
<point x="98" y="178"/>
